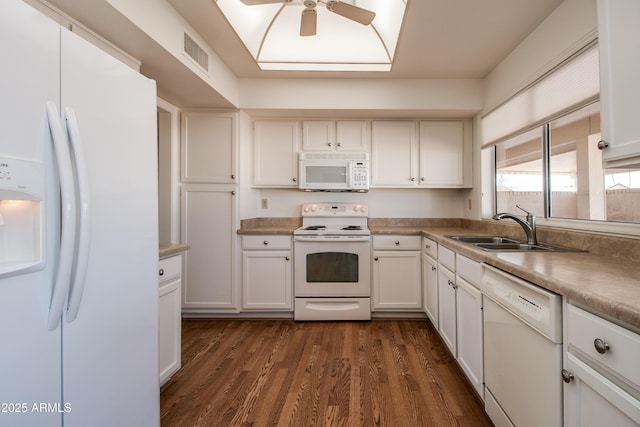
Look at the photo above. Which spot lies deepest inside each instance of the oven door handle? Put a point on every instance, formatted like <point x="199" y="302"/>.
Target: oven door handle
<point x="327" y="239"/>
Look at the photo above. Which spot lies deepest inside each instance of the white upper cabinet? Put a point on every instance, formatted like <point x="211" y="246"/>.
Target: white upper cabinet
<point x="444" y="154"/>
<point x="394" y="154"/>
<point x="619" y="43"/>
<point x="209" y="147"/>
<point x="329" y="135"/>
<point x="439" y="157"/>
<point x="276" y="146"/>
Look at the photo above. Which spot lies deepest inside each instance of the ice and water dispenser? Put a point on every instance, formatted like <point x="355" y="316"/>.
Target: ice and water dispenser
<point x="22" y="195"/>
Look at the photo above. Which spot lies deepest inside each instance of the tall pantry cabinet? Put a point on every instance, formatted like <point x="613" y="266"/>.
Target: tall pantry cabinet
<point x="208" y="210"/>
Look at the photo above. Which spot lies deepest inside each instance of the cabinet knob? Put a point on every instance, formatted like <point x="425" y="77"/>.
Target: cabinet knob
<point x="397" y="242"/>
<point x="339" y="144"/>
<point x="161" y="272"/>
<point x="233" y="193"/>
<point x="422" y="178"/>
<point x="287" y="258"/>
<point x="450" y="282"/>
<point x="602" y="144"/>
<point x="294" y="179"/>
<point x="567" y="376"/>
<point x="427" y="246"/>
<point x="412" y="179"/>
<point x="601" y="346"/>
<point x="433" y="268"/>
<point x="266" y="242"/>
<point x="329" y="144"/>
<point x="375" y="258"/>
<point x="233" y="176"/>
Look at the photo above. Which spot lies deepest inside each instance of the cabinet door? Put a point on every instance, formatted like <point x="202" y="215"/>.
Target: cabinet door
<point x="447" y="308"/>
<point x="267" y="280"/>
<point x="208" y="225"/>
<point x="276" y="144"/>
<point x="591" y="400"/>
<point x="396" y="280"/>
<point x="169" y="328"/>
<point x="208" y="147"/>
<point x="394" y="152"/>
<point x="619" y="44"/>
<point x="442" y="154"/>
<point x="352" y="135"/>
<point x="430" y="291"/>
<point x="318" y="135"/>
<point x="469" y="332"/>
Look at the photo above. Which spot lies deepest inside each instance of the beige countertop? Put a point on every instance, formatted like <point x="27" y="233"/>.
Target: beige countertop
<point x="608" y="285"/>
<point x="169" y="249"/>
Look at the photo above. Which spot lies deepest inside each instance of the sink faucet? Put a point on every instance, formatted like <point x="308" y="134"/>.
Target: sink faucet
<point x="529" y="226"/>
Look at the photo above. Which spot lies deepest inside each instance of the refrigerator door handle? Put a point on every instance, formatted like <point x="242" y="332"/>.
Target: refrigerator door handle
<point x="84" y="222"/>
<point x="68" y="218"/>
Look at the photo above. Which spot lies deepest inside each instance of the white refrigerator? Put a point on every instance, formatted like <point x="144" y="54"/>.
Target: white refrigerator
<point x="78" y="231"/>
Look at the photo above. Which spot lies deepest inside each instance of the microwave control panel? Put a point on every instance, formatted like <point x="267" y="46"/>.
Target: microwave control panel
<point x="359" y="174"/>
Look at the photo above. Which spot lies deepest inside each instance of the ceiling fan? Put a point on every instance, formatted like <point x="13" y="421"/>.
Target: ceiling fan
<point x="309" y="17"/>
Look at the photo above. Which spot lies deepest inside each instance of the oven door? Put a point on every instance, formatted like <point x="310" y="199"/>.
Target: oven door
<point x="332" y="266"/>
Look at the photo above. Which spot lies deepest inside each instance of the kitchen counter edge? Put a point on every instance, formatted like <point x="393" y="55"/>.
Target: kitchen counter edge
<point x="170" y="249"/>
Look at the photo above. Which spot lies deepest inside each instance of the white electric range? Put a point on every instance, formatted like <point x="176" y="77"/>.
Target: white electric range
<point x="332" y="263"/>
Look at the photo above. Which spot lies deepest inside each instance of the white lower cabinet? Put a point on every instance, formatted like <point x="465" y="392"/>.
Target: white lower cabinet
<point x="447" y="308"/>
<point x="430" y="279"/>
<point x="470" y="333"/>
<point x="267" y="273"/>
<point x="169" y="318"/>
<point x="460" y="313"/>
<point x="601" y="375"/>
<point x="397" y="273"/>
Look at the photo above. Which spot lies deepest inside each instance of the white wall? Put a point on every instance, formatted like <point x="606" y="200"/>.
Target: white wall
<point x="407" y="98"/>
<point x="383" y="203"/>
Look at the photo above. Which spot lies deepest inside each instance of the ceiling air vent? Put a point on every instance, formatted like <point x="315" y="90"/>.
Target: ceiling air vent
<point x="196" y="53"/>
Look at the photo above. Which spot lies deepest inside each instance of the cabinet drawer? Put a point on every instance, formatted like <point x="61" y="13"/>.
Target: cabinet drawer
<point x="401" y="243"/>
<point x="469" y="269"/>
<point x="447" y="258"/>
<point x="169" y="268"/>
<point x="430" y="247"/>
<point x="263" y="242"/>
<point x="623" y="346"/>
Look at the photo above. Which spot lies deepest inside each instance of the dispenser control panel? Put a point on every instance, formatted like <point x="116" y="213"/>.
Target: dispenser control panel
<point x="21" y="179"/>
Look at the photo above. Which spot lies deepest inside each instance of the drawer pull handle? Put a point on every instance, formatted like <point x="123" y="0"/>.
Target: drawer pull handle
<point x="601" y="346"/>
<point x="427" y="246"/>
<point x="161" y="272"/>
<point x="567" y="376"/>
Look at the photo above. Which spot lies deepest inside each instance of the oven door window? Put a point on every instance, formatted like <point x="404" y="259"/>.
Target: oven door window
<point x="332" y="267"/>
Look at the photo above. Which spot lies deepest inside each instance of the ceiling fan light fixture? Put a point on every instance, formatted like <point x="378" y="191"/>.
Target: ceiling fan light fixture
<point x="259" y="2"/>
<point x="308" y="22"/>
<point x="355" y="13"/>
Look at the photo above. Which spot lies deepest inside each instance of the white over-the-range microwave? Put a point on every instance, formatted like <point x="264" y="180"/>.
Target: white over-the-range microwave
<point x="334" y="171"/>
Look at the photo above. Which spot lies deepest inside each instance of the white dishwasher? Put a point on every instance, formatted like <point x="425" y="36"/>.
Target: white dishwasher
<point x="522" y="351"/>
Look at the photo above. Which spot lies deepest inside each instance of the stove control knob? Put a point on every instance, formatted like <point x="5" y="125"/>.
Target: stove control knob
<point x="360" y="208"/>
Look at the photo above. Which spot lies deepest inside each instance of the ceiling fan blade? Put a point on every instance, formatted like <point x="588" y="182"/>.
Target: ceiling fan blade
<point x="355" y="13"/>
<point x="258" y="2"/>
<point x="308" y="22"/>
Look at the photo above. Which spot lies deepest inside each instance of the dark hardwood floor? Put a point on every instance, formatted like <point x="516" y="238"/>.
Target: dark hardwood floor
<point x="283" y="373"/>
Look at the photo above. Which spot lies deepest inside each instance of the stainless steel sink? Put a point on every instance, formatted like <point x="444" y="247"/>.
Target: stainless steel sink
<point x="509" y="244"/>
<point x="483" y="239"/>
